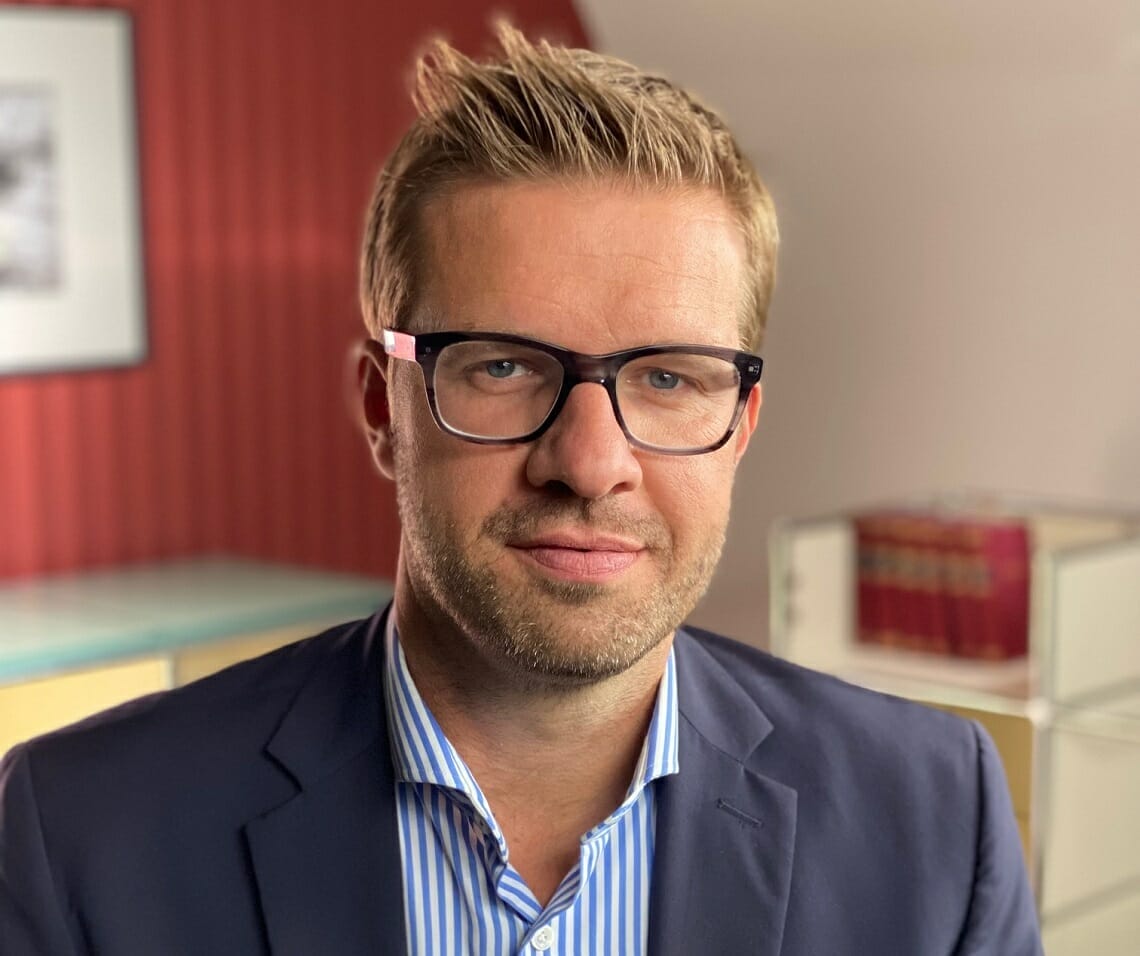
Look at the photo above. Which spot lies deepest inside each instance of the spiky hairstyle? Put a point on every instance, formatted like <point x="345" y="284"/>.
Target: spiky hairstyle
<point x="540" y="112"/>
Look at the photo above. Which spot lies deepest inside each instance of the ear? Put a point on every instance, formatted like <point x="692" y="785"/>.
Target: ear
<point x="371" y="388"/>
<point x="748" y="420"/>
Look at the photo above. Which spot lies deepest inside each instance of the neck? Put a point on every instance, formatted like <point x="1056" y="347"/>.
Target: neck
<point x="524" y="737"/>
<point x="553" y="759"/>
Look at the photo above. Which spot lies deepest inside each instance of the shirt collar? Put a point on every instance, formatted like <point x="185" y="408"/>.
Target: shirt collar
<point x="421" y="752"/>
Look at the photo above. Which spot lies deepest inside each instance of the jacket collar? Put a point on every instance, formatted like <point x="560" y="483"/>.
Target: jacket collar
<point x="725" y="834"/>
<point x="327" y="861"/>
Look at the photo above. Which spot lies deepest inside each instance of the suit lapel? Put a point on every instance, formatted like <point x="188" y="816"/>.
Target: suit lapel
<point x="725" y="834"/>
<point x="327" y="862"/>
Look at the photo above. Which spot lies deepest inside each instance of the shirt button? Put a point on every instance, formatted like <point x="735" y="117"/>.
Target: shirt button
<point x="543" y="938"/>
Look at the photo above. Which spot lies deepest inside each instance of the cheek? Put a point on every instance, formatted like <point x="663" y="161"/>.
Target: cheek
<point x="693" y="495"/>
<point x="459" y="481"/>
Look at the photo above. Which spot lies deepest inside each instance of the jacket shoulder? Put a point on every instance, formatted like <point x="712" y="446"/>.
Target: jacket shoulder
<point x="824" y="727"/>
<point x="912" y="798"/>
<point x="208" y="720"/>
<point x="783" y="688"/>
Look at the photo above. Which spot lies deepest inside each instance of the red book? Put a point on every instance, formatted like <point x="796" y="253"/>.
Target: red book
<point x="899" y="584"/>
<point x="895" y="607"/>
<point x="926" y="601"/>
<point x="948" y="570"/>
<point x="905" y="596"/>
<point x="945" y="586"/>
<point x="996" y="591"/>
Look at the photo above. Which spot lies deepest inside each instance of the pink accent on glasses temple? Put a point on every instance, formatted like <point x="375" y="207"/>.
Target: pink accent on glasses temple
<point x="400" y="344"/>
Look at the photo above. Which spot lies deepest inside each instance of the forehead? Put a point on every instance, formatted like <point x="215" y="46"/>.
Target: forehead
<point x="594" y="266"/>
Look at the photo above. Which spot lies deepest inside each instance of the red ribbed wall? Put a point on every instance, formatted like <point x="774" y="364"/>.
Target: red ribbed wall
<point x="261" y="125"/>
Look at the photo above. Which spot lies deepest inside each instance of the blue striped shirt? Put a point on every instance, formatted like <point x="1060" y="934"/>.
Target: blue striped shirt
<point x="461" y="895"/>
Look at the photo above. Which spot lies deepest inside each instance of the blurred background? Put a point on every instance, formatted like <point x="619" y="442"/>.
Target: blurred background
<point x="261" y="126"/>
<point x="958" y="305"/>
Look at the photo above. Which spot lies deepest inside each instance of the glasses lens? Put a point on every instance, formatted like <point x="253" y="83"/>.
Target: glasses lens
<point x="495" y="389"/>
<point x="678" y="400"/>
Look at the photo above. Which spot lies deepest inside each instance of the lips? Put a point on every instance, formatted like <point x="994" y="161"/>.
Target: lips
<point x="581" y="557"/>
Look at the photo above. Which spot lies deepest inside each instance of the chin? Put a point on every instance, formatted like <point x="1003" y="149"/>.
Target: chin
<point x="533" y="636"/>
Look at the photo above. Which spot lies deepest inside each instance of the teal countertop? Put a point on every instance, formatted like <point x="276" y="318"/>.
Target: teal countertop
<point x="55" y="624"/>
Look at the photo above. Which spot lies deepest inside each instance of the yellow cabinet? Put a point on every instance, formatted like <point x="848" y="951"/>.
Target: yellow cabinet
<point x="71" y="647"/>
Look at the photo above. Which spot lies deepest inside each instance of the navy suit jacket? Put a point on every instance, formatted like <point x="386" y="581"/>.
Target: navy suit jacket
<point x="254" y="812"/>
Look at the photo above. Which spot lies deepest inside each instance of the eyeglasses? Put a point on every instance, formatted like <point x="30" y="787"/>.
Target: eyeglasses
<point x="499" y="389"/>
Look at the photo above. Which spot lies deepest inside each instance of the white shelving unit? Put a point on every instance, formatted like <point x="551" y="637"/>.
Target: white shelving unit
<point x="1066" y="717"/>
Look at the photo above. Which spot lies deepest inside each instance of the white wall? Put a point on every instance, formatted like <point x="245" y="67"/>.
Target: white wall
<point x="959" y="294"/>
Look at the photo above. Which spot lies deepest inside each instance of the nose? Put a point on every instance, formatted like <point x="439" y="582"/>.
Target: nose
<point x="585" y="449"/>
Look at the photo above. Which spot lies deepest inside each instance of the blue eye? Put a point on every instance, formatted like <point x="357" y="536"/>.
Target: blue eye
<point x="501" y="368"/>
<point x="663" y="380"/>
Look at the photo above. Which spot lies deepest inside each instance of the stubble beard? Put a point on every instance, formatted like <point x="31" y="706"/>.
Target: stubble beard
<point x="552" y="632"/>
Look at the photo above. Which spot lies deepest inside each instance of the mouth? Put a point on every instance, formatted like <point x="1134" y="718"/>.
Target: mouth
<point x="580" y="557"/>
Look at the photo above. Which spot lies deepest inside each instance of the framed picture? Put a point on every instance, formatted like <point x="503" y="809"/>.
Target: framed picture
<point x="71" y="280"/>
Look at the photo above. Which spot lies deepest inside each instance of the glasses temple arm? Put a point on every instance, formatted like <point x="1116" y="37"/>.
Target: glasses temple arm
<point x="400" y="345"/>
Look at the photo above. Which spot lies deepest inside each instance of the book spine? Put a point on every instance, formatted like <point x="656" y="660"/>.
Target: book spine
<point x="899" y="587"/>
<point x="929" y="598"/>
<point x="870" y="619"/>
<point x="905" y="594"/>
<point x="996" y="592"/>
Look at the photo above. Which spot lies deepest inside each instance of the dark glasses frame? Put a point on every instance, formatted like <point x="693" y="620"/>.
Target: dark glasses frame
<point x="578" y="368"/>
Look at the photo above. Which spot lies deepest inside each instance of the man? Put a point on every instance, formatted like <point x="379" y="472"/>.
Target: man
<point x="566" y="271"/>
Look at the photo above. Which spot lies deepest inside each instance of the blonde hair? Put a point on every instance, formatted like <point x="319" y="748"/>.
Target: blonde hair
<point x="540" y="111"/>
